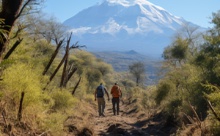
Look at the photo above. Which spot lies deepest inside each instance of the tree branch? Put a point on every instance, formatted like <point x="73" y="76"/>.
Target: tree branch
<point x="213" y="110"/>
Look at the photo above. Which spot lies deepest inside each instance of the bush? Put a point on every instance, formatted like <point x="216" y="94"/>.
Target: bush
<point x="173" y="107"/>
<point x="162" y="91"/>
<point x="54" y="123"/>
<point x="21" y="78"/>
<point x="62" y="100"/>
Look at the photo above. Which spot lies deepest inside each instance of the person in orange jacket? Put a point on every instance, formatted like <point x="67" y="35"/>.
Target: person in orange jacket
<point x="116" y="94"/>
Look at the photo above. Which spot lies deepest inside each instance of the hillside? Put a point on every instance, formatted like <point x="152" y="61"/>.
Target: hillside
<point x="120" y="61"/>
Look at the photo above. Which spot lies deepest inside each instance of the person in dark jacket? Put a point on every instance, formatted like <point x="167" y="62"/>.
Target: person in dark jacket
<point x="99" y="96"/>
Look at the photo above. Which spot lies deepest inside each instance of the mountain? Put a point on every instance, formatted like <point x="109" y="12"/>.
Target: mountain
<point x="122" y="25"/>
<point x="121" y="60"/>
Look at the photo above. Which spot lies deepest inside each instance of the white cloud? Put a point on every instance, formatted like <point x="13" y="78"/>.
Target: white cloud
<point x="145" y="25"/>
<point x="80" y="31"/>
<point x="111" y="27"/>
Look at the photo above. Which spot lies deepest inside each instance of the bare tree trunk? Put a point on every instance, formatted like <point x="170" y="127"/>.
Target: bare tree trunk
<point x="213" y="110"/>
<point x="10" y="11"/>
<point x="137" y="81"/>
<point x="71" y="74"/>
<point x="20" y="107"/>
<point x="197" y="117"/>
<point x="13" y="48"/>
<point x="4" y="116"/>
<point x="65" y="74"/>
<point x="53" y="57"/>
<point x="56" y="70"/>
<point x="74" y="90"/>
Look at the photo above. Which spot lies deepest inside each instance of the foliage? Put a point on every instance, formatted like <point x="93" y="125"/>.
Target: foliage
<point x="143" y="98"/>
<point x="21" y="78"/>
<point x="128" y="83"/>
<point x="62" y="100"/>
<point x="54" y="123"/>
<point x="191" y="78"/>
<point x="104" y="68"/>
<point x="3" y="32"/>
<point x="163" y="90"/>
<point x="137" y="69"/>
<point x="41" y="26"/>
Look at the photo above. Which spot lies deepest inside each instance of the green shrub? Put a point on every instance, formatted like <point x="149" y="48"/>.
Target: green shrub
<point x="54" y="124"/>
<point x="173" y="106"/>
<point x="162" y="91"/>
<point x="21" y="78"/>
<point x="62" y="100"/>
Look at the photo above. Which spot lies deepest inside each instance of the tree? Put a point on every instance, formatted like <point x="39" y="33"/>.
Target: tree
<point x="137" y="69"/>
<point x="197" y="77"/>
<point x="177" y="52"/>
<point x="208" y="56"/>
<point x="11" y="10"/>
<point x="40" y="26"/>
<point x="184" y="45"/>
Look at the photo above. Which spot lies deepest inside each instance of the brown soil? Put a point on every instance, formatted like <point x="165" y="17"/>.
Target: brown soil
<point x="131" y="122"/>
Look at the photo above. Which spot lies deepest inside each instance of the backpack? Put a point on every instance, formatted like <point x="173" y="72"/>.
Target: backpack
<point x="100" y="91"/>
<point x="116" y="92"/>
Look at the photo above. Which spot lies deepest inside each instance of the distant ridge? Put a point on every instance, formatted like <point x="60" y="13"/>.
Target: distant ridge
<point x="126" y="56"/>
<point x="120" y="61"/>
<point x="131" y="52"/>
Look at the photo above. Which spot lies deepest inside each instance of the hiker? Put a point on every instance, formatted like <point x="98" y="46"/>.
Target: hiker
<point x="116" y="93"/>
<point x="99" y="95"/>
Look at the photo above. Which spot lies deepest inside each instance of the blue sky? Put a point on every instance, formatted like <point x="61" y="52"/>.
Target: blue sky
<point x="195" y="11"/>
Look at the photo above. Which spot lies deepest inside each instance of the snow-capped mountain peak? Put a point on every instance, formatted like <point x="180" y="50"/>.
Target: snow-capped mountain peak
<point x="128" y="3"/>
<point x="125" y="3"/>
<point x="120" y="24"/>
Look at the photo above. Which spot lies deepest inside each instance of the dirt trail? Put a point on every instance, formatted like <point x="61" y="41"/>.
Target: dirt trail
<point x="129" y="122"/>
<point x="109" y="123"/>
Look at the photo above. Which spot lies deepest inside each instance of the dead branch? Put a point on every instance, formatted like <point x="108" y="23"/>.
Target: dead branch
<point x="22" y="8"/>
<point x="19" y="29"/>
<point x="213" y="110"/>
<point x="71" y="74"/>
<point x="74" y="90"/>
<point x="20" y="107"/>
<point x="74" y="46"/>
<point x="53" y="57"/>
<point x="189" y="118"/>
<point x="13" y="48"/>
<point x="64" y="75"/>
<point x="4" y="116"/>
<point x="197" y="117"/>
<point x="56" y="70"/>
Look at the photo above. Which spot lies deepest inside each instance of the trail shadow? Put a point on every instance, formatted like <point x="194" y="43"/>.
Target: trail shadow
<point x="118" y="130"/>
<point x="131" y="111"/>
<point x="157" y="125"/>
